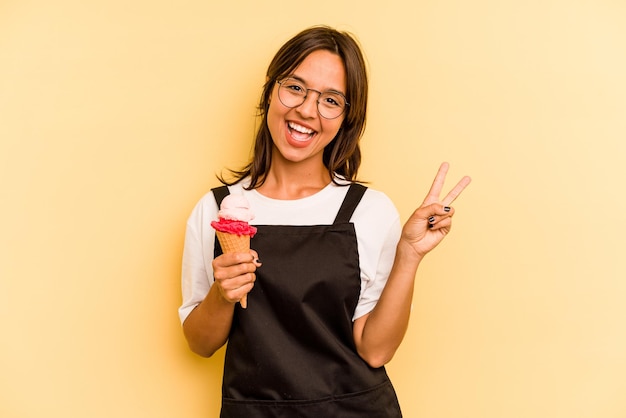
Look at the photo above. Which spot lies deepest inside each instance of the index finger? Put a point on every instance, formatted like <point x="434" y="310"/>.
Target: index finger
<point x="456" y="191"/>
<point x="232" y="259"/>
<point x="437" y="186"/>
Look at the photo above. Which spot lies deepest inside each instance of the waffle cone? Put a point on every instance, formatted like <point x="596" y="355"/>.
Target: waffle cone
<point x="232" y="243"/>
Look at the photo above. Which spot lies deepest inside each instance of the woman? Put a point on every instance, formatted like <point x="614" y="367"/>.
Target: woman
<point x="329" y="305"/>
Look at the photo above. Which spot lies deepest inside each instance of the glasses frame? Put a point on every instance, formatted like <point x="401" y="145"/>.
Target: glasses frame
<point x="319" y="94"/>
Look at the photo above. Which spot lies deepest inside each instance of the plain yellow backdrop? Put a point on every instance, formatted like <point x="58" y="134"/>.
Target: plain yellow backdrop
<point x="116" y="115"/>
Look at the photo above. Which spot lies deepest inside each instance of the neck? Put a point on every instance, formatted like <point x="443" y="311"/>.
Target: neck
<point x="290" y="181"/>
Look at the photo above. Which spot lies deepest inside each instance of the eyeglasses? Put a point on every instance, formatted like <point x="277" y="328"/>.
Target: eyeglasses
<point x="330" y="104"/>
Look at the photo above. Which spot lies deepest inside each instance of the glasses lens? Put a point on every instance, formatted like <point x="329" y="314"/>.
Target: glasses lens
<point x="331" y="104"/>
<point x="291" y="92"/>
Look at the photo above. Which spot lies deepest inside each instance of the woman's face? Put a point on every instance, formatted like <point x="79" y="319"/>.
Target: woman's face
<point x="300" y="133"/>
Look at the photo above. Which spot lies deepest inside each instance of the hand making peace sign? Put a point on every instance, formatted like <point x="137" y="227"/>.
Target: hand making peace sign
<point x="431" y="222"/>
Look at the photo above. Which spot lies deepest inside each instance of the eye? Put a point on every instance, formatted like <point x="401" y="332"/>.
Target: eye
<point x="293" y="87"/>
<point x="330" y="99"/>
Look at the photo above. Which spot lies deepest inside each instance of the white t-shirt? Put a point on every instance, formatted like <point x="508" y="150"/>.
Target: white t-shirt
<point x="376" y="222"/>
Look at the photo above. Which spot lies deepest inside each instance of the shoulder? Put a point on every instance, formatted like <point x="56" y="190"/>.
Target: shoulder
<point x="376" y="203"/>
<point x="372" y="199"/>
<point x="376" y="220"/>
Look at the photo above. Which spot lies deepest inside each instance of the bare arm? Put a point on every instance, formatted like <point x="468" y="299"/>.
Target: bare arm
<point x="378" y="334"/>
<point x="208" y="325"/>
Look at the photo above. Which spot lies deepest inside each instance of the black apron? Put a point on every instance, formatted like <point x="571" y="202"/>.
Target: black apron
<point x="291" y="353"/>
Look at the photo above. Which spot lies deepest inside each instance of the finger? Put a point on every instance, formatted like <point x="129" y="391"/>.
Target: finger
<point x="243" y="301"/>
<point x="436" y="209"/>
<point x="235" y="290"/>
<point x="231" y="259"/>
<point x="232" y="271"/>
<point x="239" y="285"/>
<point x="255" y="258"/>
<point x="456" y="191"/>
<point x="439" y="213"/>
<point x="437" y="186"/>
<point x="445" y="223"/>
<point x="245" y="284"/>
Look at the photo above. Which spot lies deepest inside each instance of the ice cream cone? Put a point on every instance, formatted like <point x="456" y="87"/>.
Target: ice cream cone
<point x="232" y="243"/>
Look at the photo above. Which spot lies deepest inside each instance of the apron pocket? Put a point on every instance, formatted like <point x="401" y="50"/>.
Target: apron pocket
<point x="377" y="402"/>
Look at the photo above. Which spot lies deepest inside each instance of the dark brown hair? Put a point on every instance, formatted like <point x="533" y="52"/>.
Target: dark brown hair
<point x="342" y="155"/>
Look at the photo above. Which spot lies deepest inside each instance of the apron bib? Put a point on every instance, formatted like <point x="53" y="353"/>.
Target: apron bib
<point x="291" y="353"/>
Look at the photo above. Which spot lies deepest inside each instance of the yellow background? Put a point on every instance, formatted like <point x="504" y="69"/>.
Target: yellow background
<point x="115" y="116"/>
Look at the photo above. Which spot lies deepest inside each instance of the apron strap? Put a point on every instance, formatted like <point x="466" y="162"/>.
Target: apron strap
<point x="351" y="201"/>
<point x="220" y="193"/>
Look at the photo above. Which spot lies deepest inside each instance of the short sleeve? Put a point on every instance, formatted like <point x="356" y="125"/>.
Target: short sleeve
<point x="197" y="270"/>
<point x="377" y="223"/>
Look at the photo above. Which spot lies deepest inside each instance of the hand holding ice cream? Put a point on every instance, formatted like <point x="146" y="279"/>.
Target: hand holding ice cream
<point x="233" y="230"/>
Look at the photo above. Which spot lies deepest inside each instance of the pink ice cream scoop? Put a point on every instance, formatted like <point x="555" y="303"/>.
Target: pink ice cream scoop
<point x="234" y="215"/>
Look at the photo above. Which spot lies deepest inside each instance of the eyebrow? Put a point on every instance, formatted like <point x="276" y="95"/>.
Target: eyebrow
<point x="300" y="79"/>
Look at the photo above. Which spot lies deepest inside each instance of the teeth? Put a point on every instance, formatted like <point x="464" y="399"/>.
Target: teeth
<point x="300" y="129"/>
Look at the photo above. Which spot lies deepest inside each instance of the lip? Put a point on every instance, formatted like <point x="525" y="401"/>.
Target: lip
<point x="295" y="137"/>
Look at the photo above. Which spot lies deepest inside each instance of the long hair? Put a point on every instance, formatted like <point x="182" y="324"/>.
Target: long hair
<point x="342" y="156"/>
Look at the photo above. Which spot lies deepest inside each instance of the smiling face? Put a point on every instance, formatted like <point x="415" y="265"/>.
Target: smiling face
<point x="300" y="134"/>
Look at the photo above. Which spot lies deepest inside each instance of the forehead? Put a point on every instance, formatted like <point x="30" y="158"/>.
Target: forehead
<point x="322" y="70"/>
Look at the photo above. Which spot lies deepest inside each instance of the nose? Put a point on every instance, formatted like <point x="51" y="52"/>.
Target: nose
<point x="308" y="108"/>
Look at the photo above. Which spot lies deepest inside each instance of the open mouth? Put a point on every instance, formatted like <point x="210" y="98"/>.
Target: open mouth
<point x="299" y="132"/>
